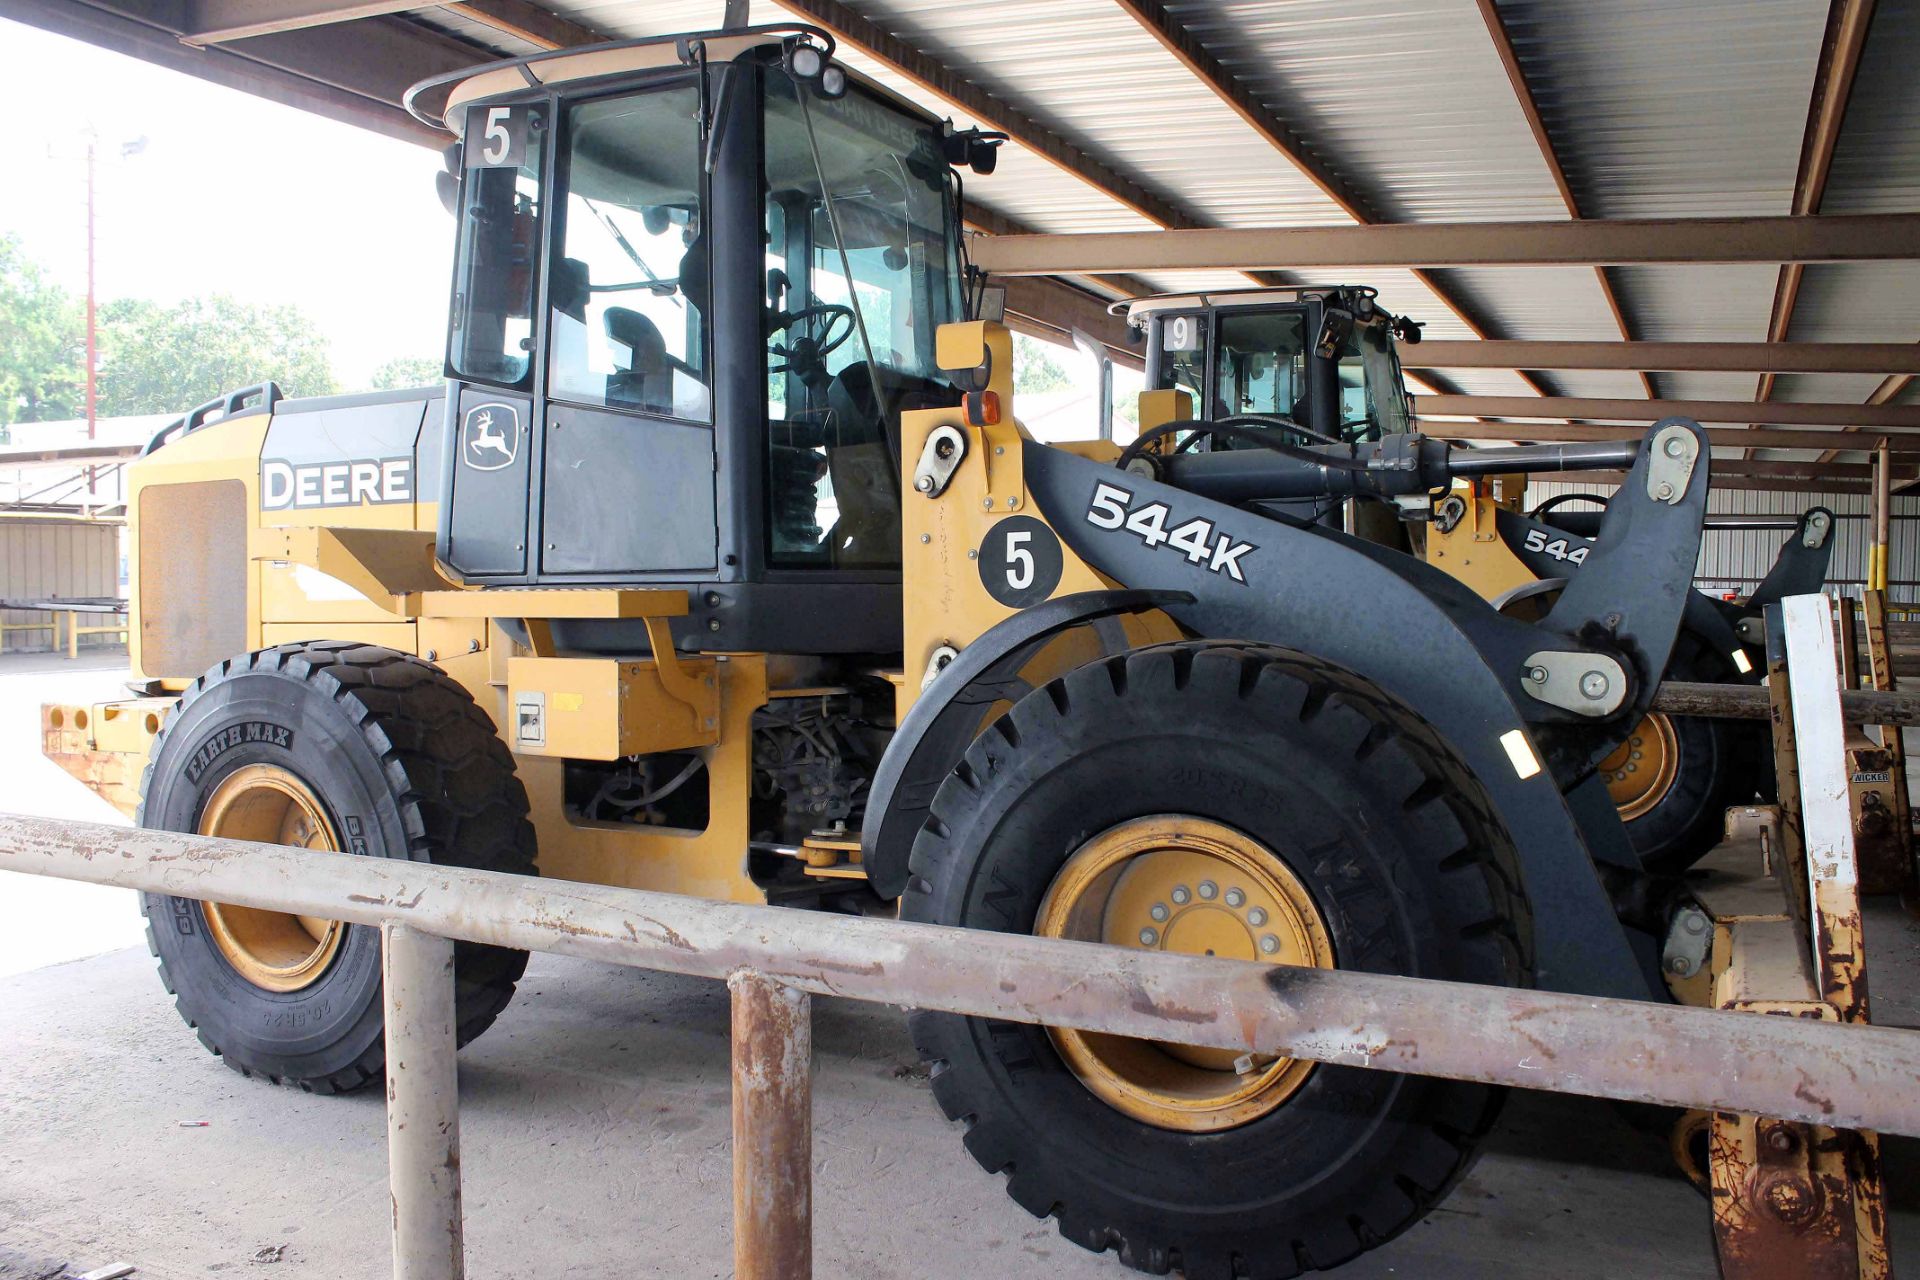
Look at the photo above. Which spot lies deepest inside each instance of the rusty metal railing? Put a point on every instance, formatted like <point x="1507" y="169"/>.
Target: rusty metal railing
<point x="1833" y="1074"/>
<point x="1844" y="1076"/>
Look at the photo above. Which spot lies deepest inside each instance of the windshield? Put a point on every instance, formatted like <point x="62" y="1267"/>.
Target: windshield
<point x="1258" y="361"/>
<point x="862" y="267"/>
<point x="1261" y="366"/>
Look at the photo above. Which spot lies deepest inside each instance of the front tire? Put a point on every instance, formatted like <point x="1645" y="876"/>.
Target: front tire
<point x="329" y="745"/>
<point x="1349" y="796"/>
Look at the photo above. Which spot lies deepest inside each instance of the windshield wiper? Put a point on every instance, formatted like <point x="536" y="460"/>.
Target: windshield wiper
<point x="669" y="289"/>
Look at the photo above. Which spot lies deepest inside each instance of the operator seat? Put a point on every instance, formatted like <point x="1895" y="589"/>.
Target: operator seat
<point x="865" y="481"/>
<point x="647" y="381"/>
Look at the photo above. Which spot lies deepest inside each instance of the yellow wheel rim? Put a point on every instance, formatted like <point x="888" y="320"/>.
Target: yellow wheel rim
<point x="1176" y="883"/>
<point x="271" y="949"/>
<point x="1641" y="770"/>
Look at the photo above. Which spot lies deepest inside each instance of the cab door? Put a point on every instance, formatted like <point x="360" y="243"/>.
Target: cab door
<point x="626" y="484"/>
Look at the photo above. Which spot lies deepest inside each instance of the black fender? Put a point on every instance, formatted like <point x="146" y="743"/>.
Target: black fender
<point x="941" y="724"/>
<point x="1428" y="640"/>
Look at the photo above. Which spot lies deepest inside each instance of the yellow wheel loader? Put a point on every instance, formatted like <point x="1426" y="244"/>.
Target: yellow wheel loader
<point x="1322" y="363"/>
<point x="721" y="565"/>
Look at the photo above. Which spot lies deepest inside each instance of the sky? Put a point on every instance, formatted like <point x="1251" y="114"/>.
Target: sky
<point x="232" y="194"/>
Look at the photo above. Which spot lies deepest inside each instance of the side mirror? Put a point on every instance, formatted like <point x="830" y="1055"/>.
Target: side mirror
<point x="993" y="304"/>
<point x="446" y="183"/>
<point x="978" y="149"/>
<point x="1336" y="329"/>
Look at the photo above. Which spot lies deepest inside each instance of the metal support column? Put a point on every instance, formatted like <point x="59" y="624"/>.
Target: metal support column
<point x="423" y="1105"/>
<point x="772" y="1129"/>
<point x="1797" y="1199"/>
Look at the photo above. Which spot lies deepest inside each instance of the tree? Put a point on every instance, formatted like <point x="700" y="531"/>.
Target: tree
<point x="43" y="343"/>
<point x="408" y="371"/>
<point x="1035" y="370"/>
<point x="167" y="359"/>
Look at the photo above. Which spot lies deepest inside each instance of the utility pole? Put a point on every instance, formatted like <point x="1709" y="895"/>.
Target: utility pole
<point x="91" y="362"/>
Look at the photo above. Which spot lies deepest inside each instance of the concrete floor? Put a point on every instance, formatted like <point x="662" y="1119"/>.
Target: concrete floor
<point x="595" y="1131"/>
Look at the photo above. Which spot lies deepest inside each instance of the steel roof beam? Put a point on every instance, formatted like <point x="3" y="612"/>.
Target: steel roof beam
<point x="1042" y="307"/>
<point x="1847" y="25"/>
<point x="218" y="21"/>
<point x="1671" y="357"/>
<point x="528" y="22"/>
<point x="1204" y="67"/>
<point x="1803" y="481"/>
<point x="1889" y="390"/>
<point x="1523" y="93"/>
<point x="361" y="96"/>
<point x="1865" y="237"/>
<point x="1585" y="433"/>
<point x="1736" y="411"/>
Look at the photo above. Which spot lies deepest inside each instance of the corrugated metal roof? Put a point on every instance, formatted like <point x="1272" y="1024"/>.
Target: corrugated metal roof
<point x="455" y="23"/>
<point x="1876" y="166"/>
<point x="1655" y="109"/>
<point x="1405" y="97"/>
<point x="1661" y="109"/>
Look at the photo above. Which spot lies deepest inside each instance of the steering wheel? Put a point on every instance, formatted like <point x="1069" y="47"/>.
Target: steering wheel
<point x="1353" y="429"/>
<point x="806" y="354"/>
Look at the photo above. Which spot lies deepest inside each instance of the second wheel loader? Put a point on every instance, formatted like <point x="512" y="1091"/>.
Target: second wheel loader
<point x="722" y="565"/>
<point x="1323" y="363"/>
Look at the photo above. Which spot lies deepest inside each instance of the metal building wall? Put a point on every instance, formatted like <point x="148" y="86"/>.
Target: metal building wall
<point x="1734" y="560"/>
<point x="66" y="558"/>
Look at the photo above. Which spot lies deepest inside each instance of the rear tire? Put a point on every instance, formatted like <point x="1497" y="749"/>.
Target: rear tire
<point x="1366" y="806"/>
<point x="1718" y="763"/>
<point x="391" y="758"/>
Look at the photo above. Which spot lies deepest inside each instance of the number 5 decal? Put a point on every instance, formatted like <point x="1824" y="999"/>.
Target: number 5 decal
<point x="497" y="139"/>
<point x="1020" y="561"/>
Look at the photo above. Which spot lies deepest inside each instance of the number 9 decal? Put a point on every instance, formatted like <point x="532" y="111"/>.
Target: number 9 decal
<point x="1020" y="562"/>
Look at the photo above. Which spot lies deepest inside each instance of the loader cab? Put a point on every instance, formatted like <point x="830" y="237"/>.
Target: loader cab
<point x="1324" y="358"/>
<point x="691" y="300"/>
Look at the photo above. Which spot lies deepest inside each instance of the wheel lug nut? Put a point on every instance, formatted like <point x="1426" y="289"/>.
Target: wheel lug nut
<point x="1269" y="944"/>
<point x="1257" y="917"/>
<point x="1207" y="889"/>
<point x="1158" y="911"/>
<point x="1180" y="895"/>
<point x="1149" y="936"/>
<point x="1235" y="898"/>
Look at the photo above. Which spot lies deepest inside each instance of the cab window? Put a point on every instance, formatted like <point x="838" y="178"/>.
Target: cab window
<point x="491" y="334"/>
<point x="1183" y="357"/>
<point x="628" y="298"/>
<point x="1261" y="364"/>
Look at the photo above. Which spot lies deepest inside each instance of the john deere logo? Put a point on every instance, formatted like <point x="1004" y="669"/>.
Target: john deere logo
<point x="490" y="436"/>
